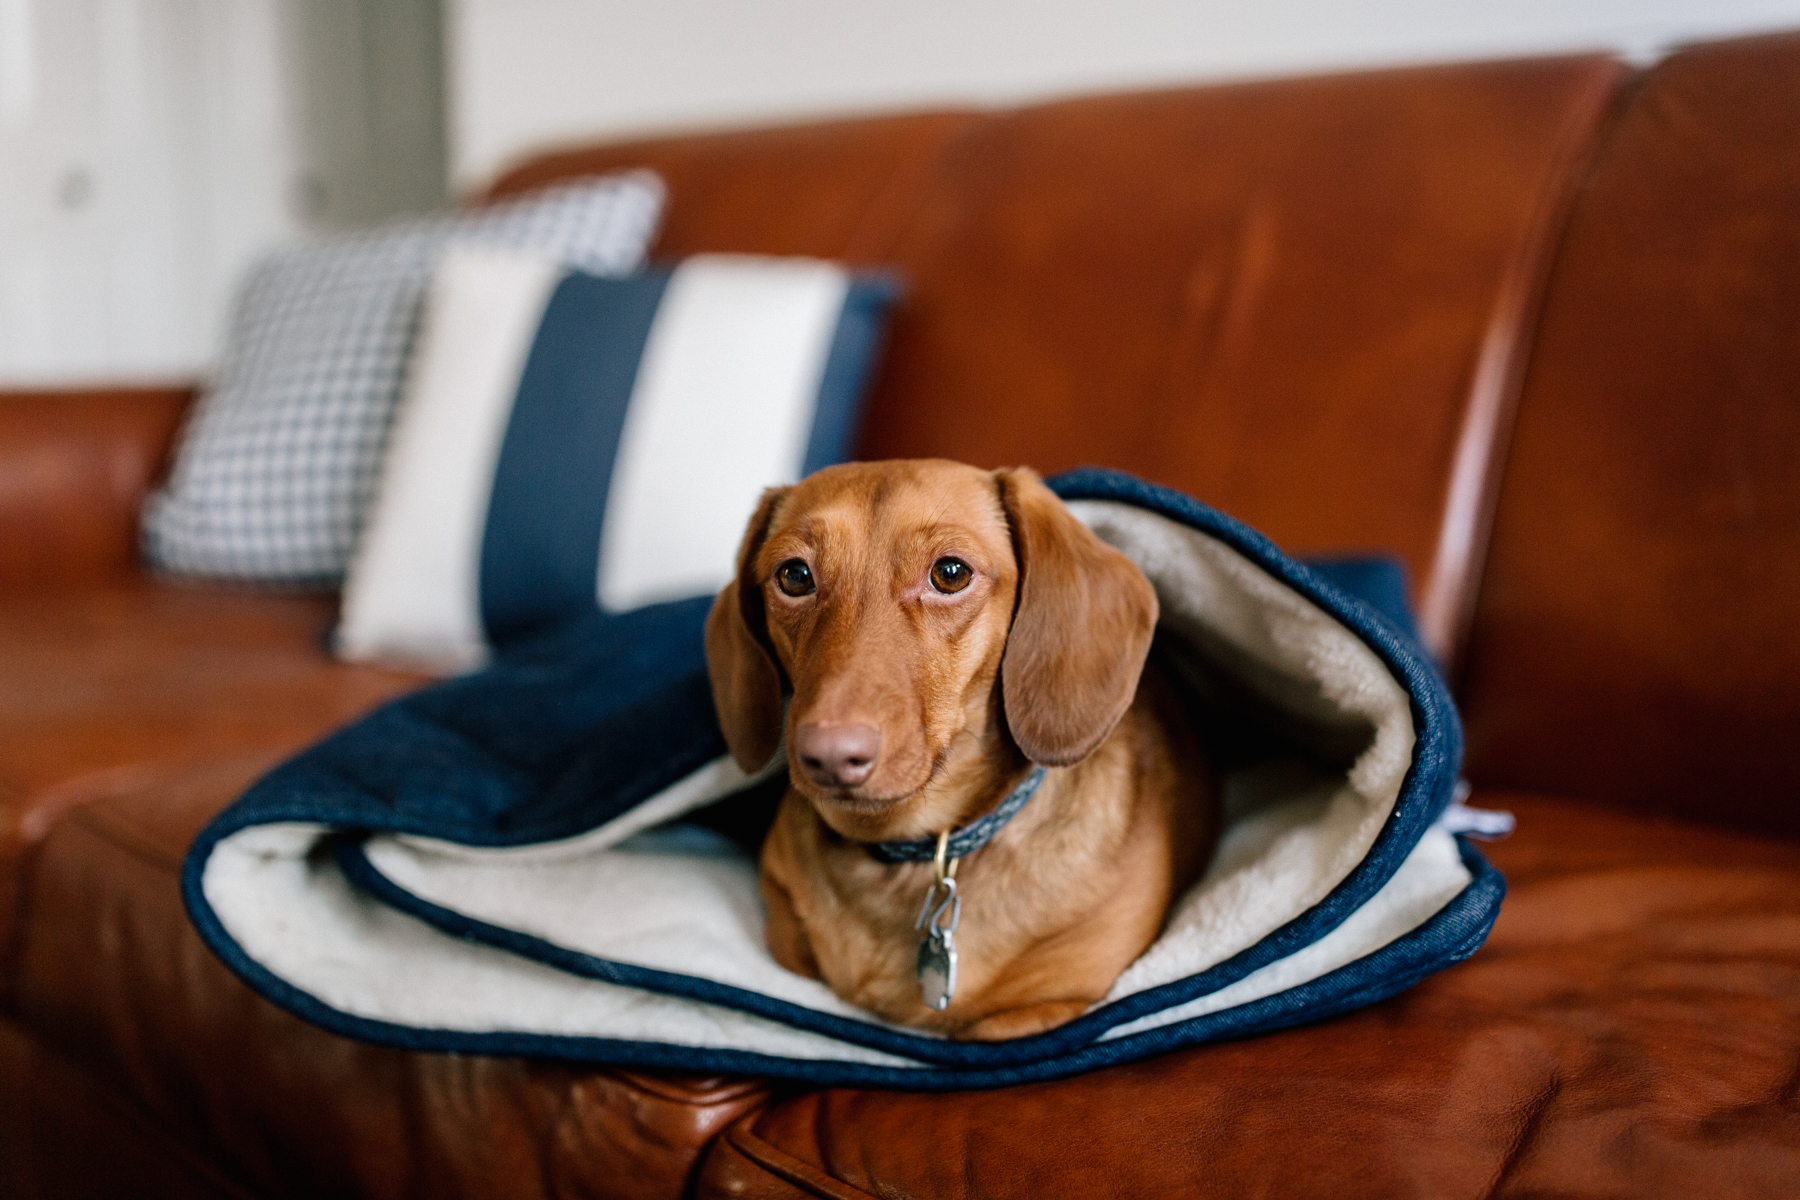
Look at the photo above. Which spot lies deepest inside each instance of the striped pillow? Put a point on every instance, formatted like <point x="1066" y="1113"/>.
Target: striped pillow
<point x="566" y="439"/>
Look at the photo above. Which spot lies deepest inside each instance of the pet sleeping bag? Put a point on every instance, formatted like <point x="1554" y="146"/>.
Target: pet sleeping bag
<point x="555" y="856"/>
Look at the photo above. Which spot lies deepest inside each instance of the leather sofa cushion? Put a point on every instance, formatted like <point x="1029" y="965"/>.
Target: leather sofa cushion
<point x="1637" y="638"/>
<point x="1630" y="1029"/>
<point x="141" y="672"/>
<point x="113" y="978"/>
<point x="75" y="466"/>
<point x="119" y="686"/>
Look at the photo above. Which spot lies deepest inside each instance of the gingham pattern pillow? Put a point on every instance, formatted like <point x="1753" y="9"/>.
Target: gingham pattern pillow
<point x="277" y="467"/>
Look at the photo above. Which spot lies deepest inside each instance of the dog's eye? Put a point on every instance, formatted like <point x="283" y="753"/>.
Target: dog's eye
<point x="950" y="574"/>
<point x="794" y="578"/>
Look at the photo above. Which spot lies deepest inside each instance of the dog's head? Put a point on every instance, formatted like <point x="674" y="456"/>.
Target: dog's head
<point x="931" y="623"/>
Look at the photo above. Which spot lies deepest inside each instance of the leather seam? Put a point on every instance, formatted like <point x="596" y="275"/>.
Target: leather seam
<point x="785" y="1166"/>
<point x="61" y="804"/>
<point x="126" y="841"/>
<point x="1500" y="367"/>
<point x="663" y="1090"/>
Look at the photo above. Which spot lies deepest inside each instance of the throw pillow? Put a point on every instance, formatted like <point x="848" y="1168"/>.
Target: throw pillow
<point x="567" y="440"/>
<point x="274" y="472"/>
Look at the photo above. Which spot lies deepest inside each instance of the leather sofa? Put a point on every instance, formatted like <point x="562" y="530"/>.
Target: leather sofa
<point x="1534" y="326"/>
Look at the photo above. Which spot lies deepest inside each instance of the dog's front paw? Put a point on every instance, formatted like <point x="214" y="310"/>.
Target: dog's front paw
<point x="786" y="934"/>
<point x="1022" y="1022"/>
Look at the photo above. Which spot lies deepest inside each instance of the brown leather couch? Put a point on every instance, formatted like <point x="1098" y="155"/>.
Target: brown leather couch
<point x="1534" y="326"/>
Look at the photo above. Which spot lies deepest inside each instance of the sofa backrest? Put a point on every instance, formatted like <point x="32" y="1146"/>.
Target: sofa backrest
<point x="1303" y="301"/>
<point x="1638" y="634"/>
<point x="75" y="466"/>
<point x="836" y="189"/>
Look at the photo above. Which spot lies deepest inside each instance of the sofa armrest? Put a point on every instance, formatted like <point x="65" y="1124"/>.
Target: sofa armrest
<point x="75" y="466"/>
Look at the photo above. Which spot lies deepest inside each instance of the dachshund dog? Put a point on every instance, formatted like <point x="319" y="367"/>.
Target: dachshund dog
<point x="936" y="630"/>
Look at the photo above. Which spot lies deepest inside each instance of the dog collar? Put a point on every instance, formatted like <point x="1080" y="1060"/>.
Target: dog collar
<point x="967" y="840"/>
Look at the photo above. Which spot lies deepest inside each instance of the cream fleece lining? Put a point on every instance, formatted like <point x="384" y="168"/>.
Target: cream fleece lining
<point x="685" y="902"/>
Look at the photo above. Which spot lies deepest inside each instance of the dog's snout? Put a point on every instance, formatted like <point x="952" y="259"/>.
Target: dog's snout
<point x="837" y="755"/>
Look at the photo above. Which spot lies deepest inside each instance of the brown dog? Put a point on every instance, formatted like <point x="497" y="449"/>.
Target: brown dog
<point x="940" y="629"/>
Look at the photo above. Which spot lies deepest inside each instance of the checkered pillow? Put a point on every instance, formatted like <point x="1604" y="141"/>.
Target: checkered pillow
<point x="277" y="466"/>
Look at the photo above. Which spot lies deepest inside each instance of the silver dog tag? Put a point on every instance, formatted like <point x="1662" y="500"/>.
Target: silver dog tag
<point x="939" y="917"/>
<point x="937" y="968"/>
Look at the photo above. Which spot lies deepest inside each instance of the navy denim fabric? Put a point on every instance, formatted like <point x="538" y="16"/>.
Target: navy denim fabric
<point x="579" y="724"/>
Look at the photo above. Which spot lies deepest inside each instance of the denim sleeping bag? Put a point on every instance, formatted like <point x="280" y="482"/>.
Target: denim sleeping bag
<point x="555" y="856"/>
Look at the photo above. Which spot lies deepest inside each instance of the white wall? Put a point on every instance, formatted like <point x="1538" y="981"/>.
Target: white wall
<point x="529" y="73"/>
<point x="150" y="149"/>
<point x="370" y="96"/>
<point x="144" y="152"/>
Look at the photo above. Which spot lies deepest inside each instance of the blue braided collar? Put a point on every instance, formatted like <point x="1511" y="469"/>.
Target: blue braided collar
<point x="969" y="838"/>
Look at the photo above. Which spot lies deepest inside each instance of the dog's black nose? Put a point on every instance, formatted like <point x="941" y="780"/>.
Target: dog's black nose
<point x="837" y="755"/>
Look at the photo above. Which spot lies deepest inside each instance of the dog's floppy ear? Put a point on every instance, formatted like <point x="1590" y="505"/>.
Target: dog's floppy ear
<point x="1081" y="628"/>
<point x="746" y="683"/>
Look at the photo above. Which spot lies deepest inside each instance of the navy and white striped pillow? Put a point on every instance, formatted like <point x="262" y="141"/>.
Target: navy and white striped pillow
<point x="567" y="440"/>
<point x="275" y="470"/>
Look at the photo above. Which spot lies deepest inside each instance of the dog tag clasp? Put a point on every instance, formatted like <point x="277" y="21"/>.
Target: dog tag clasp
<point x="938" y="917"/>
<point x="937" y="968"/>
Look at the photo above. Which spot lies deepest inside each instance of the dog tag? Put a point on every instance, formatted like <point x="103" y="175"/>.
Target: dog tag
<point x="939" y="917"/>
<point x="937" y="968"/>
